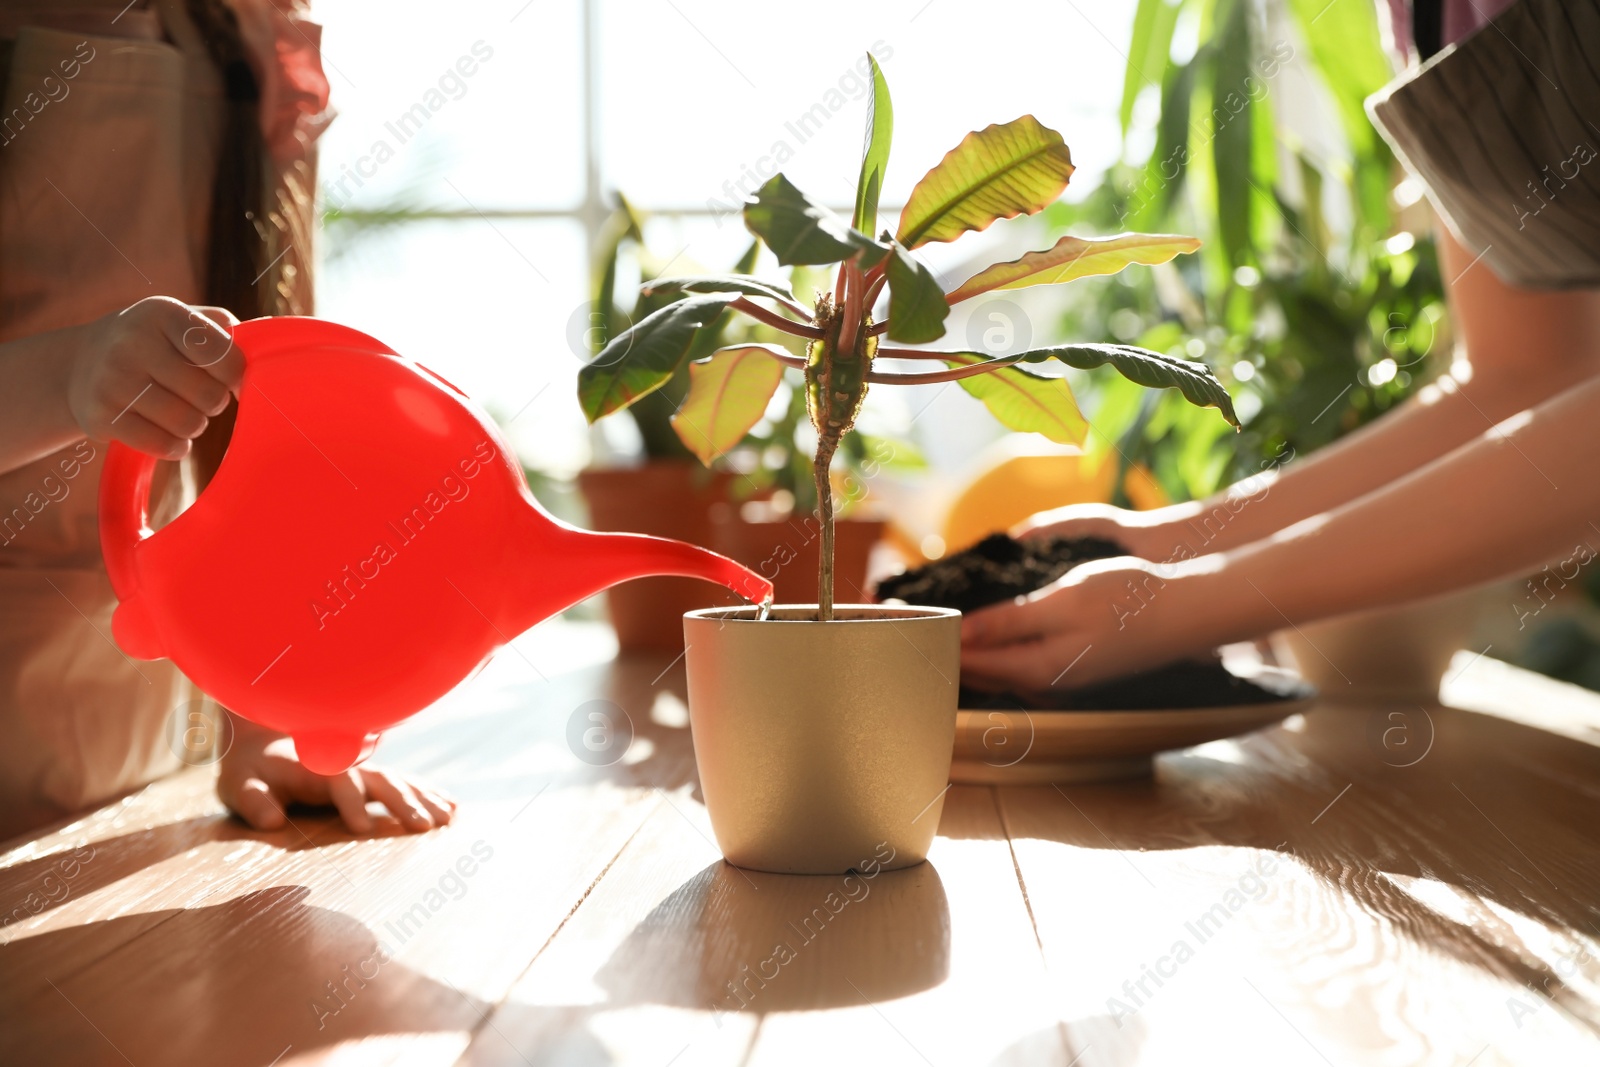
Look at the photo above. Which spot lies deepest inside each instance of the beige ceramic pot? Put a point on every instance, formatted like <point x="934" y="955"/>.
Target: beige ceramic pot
<point x="823" y="747"/>
<point x="1393" y="654"/>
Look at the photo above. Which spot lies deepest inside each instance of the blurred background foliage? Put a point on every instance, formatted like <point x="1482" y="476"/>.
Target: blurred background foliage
<point x="1312" y="296"/>
<point x="1317" y="295"/>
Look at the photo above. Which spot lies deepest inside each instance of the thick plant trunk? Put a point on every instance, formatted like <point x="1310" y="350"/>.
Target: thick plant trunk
<point x="836" y="383"/>
<point x="824" y="460"/>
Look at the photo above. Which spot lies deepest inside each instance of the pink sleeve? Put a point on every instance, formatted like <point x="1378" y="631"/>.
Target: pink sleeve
<point x="285" y="51"/>
<point x="1461" y="18"/>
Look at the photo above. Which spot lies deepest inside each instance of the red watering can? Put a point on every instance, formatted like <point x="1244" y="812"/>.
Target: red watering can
<point x="367" y="543"/>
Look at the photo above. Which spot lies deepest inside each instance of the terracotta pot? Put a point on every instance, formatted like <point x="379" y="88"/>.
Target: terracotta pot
<point x="666" y="498"/>
<point x="1397" y="653"/>
<point x="785" y="552"/>
<point x="823" y="747"/>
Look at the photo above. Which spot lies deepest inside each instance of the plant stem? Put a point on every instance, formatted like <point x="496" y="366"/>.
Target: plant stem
<point x="824" y="460"/>
<point x="786" y="358"/>
<point x="952" y="374"/>
<point x="874" y="287"/>
<point x="890" y="352"/>
<point x="839" y="378"/>
<point x="798" y="308"/>
<point x="775" y="320"/>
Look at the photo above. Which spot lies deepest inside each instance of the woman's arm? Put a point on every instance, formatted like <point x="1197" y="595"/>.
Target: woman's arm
<point x="1515" y="349"/>
<point x="148" y="376"/>
<point x="1517" y="496"/>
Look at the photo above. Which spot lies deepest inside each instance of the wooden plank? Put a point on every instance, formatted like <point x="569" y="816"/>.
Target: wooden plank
<point x="985" y="999"/>
<point x="1360" y="911"/>
<point x="190" y="938"/>
<point x="619" y="983"/>
<point x="678" y="957"/>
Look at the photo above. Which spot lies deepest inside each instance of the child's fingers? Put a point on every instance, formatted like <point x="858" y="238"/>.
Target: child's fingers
<point x="177" y="417"/>
<point x="255" y="804"/>
<point x="395" y="795"/>
<point x="135" y="431"/>
<point x="201" y="336"/>
<point x="351" y="799"/>
<point x="191" y="385"/>
<point x="441" y="807"/>
<point x="220" y="315"/>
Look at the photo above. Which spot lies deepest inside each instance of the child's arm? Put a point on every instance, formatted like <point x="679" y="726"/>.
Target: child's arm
<point x="149" y="376"/>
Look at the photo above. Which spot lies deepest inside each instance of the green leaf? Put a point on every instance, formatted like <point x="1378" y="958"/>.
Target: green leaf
<point x="875" y="155"/>
<point x="728" y="393"/>
<point x="1231" y="74"/>
<point x="620" y="227"/>
<point x="1151" y="44"/>
<point x="747" y="262"/>
<point x="1151" y="369"/>
<point x="1076" y="257"/>
<point x="997" y="172"/>
<point x="1166" y="171"/>
<point x="1028" y="403"/>
<point x="802" y="232"/>
<point x="917" y="306"/>
<point x="640" y="360"/>
<point x="743" y="284"/>
<point x="1347" y="52"/>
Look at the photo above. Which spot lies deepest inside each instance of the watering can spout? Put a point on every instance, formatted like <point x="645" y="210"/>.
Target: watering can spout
<point x="592" y="561"/>
<point x="639" y="556"/>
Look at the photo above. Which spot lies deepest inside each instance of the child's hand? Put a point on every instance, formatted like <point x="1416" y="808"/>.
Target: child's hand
<point x="1100" y="620"/>
<point x="260" y="777"/>
<point x="152" y="374"/>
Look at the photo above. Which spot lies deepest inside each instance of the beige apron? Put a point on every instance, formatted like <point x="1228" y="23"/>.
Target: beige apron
<point x="108" y="149"/>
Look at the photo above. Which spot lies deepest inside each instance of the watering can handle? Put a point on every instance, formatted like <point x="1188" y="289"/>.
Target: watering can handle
<point x="124" y="512"/>
<point x="124" y="516"/>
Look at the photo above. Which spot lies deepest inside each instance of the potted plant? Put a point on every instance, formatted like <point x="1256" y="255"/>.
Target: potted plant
<point x="823" y="733"/>
<point x="757" y="513"/>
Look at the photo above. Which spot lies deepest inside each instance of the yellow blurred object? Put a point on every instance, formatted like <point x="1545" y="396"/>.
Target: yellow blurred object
<point x="1019" y="485"/>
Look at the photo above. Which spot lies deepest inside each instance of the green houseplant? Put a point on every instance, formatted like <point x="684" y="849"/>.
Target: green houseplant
<point x="748" y="505"/>
<point x="807" y="770"/>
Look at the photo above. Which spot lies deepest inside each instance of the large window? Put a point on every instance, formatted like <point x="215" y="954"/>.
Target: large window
<point x="478" y="146"/>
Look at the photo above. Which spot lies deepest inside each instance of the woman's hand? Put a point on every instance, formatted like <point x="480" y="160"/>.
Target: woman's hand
<point x="1102" y="619"/>
<point x="260" y="777"/>
<point x="1160" y="534"/>
<point x="152" y="374"/>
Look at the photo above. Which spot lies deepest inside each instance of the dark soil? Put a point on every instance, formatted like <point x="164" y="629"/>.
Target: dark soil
<point x="999" y="568"/>
<point x="995" y="569"/>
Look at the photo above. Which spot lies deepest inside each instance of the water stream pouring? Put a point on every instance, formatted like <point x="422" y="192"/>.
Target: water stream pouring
<point x="368" y="541"/>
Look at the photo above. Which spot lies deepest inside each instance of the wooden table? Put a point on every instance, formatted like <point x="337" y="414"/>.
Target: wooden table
<point x="1299" y="896"/>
